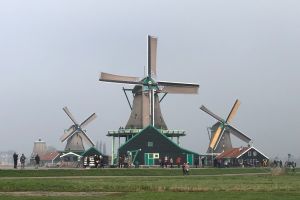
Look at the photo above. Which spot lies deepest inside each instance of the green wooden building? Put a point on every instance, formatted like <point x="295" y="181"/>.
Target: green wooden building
<point x="150" y="146"/>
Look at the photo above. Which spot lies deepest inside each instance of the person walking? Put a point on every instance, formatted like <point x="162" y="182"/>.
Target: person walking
<point x="15" y="156"/>
<point x="183" y="169"/>
<point x="22" y="160"/>
<point x="187" y="169"/>
<point x="37" y="161"/>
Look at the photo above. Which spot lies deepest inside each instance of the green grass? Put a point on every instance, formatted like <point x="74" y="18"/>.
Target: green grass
<point x="163" y="185"/>
<point x="263" y="183"/>
<point x="126" y="172"/>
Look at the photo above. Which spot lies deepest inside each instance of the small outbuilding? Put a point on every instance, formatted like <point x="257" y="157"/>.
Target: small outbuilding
<point x="70" y="159"/>
<point x="50" y="159"/>
<point x="93" y="155"/>
<point x="150" y="147"/>
<point x="242" y="157"/>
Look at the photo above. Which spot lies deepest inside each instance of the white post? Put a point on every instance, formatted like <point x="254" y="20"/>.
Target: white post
<point x="113" y="150"/>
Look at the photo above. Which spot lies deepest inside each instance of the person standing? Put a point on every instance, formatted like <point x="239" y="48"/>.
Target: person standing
<point x="15" y="156"/>
<point x="37" y="161"/>
<point x="22" y="160"/>
<point x="171" y="162"/>
<point x="166" y="162"/>
<point x="96" y="159"/>
<point x="178" y="161"/>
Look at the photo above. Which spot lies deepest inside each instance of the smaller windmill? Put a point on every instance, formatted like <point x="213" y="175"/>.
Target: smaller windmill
<point x="220" y="138"/>
<point x="76" y="137"/>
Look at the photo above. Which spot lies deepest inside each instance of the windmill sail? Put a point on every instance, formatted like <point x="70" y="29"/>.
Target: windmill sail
<point x="152" y="47"/>
<point x="69" y="114"/>
<point x="216" y="137"/>
<point x="239" y="134"/>
<point x="220" y="139"/>
<point x="146" y="109"/>
<point x="75" y="136"/>
<point x="118" y="78"/>
<point x="233" y="111"/>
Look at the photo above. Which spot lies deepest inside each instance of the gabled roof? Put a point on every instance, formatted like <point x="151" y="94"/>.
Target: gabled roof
<point x="158" y="132"/>
<point x="70" y="153"/>
<point x="91" y="151"/>
<point x="237" y="152"/>
<point x="255" y="150"/>
<point x="232" y="153"/>
<point x="50" y="156"/>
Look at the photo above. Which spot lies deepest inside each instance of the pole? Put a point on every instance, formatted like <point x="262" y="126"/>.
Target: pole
<point x="152" y="106"/>
<point x="113" y="150"/>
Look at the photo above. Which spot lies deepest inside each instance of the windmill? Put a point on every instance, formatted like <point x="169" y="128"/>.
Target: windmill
<point x="75" y="135"/>
<point x="220" y="138"/>
<point x="146" y="107"/>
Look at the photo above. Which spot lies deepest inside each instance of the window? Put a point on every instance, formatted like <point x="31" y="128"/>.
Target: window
<point x="156" y="155"/>
<point x="249" y="153"/>
<point x="254" y="153"/>
<point x="150" y="144"/>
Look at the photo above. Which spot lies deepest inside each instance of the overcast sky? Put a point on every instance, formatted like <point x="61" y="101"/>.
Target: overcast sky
<point x="51" y="54"/>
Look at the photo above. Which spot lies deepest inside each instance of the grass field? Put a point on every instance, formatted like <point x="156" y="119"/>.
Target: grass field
<point x="148" y="184"/>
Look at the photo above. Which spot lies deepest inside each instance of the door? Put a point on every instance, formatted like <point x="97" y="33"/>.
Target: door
<point x="149" y="158"/>
<point x="190" y="158"/>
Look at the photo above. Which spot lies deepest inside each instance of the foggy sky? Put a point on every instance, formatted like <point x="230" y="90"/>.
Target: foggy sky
<point x="51" y="54"/>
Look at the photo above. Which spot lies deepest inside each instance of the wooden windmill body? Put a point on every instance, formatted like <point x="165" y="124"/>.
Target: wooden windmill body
<point x="75" y="135"/>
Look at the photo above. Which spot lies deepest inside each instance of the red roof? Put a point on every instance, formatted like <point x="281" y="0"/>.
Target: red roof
<point x="232" y="153"/>
<point x="50" y="156"/>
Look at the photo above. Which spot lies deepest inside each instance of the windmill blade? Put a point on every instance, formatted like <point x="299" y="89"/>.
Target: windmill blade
<point x="85" y="138"/>
<point x="152" y="48"/>
<point x="216" y="137"/>
<point x="68" y="133"/>
<point x="178" y="88"/>
<point x="70" y="115"/>
<point x="203" y="108"/>
<point x="209" y="133"/>
<point x="233" y="111"/>
<point x="118" y="79"/>
<point x="219" y="139"/>
<point x="88" y="120"/>
<point x="239" y="134"/>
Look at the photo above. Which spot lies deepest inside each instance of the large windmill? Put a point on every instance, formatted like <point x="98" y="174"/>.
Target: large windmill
<point x="146" y="107"/>
<point x="76" y="137"/>
<point x="220" y="138"/>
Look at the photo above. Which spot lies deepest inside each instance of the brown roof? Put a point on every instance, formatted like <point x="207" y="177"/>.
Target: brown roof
<point x="50" y="155"/>
<point x="232" y="153"/>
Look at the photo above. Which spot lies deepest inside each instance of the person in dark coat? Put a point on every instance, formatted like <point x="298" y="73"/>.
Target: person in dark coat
<point x="15" y="156"/>
<point x="22" y="160"/>
<point x="37" y="161"/>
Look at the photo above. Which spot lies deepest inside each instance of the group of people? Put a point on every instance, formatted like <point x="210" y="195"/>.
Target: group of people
<point x="125" y="161"/>
<point x="169" y="161"/>
<point x="93" y="161"/>
<point x="23" y="159"/>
